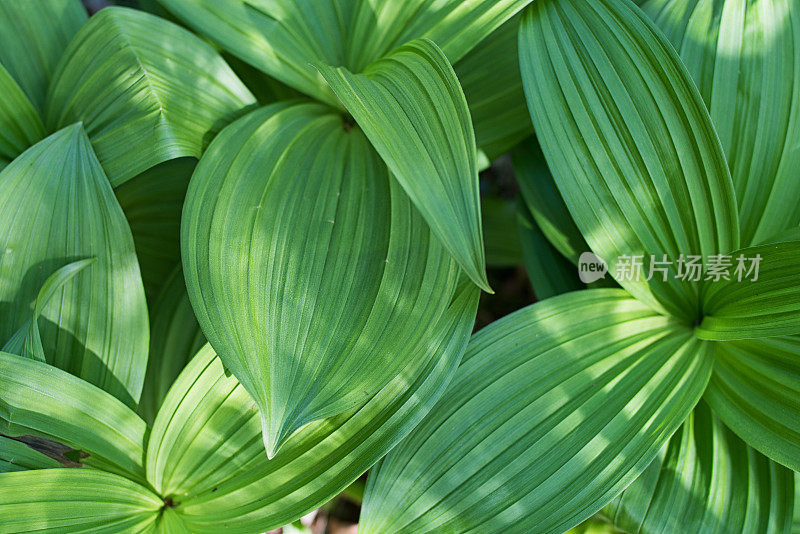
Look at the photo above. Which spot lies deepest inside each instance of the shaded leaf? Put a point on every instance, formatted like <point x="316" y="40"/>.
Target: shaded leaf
<point x="18" y="456"/>
<point x="413" y="110"/>
<point x="146" y="90"/>
<point x="20" y="126"/>
<point x="546" y="420"/>
<point x="499" y="232"/>
<point x="629" y="141"/>
<point x="96" y="326"/>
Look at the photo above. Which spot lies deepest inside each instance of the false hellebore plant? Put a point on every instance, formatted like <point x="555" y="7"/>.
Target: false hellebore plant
<point x="309" y="205"/>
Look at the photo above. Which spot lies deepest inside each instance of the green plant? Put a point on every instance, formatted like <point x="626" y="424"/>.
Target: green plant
<point x="299" y="186"/>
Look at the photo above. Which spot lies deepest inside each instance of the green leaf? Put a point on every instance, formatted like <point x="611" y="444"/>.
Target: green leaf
<point x="33" y="37"/>
<point x="18" y="456"/>
<point x="707" y="480"/>
<point x="549" y="272"/>
<point x="499" y="232"/>
<point x="413" y="110"/>
<point x="545" y="202"/>
<point x="743" y="307"/>
<point x="175" y="337"/>
<point x="281" y="37"/>
<point x="336" y="272"/>
<point x="27" y="341"/>
<point x="492" y="85"/>
<point x="629" y="141"/>
<point x="546" y="420"/>
<point x="146" y="90"/>
<point x="206" y="449"/>
<point x="96" y="326"/>
<point x="755" y="390"/>
<point x="744" y="56"/>
<point x="37" y="399"/>
<point x="152" y="203"/>
<point x="20" y="126"/>
<point x="75" y="500"/>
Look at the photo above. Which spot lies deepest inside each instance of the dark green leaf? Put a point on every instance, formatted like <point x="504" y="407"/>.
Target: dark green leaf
<point x="20" y="126"/>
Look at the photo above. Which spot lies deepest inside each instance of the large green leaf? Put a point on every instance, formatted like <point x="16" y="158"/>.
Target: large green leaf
<point x="281" y="37"/>
<point x="742" y="307"/>
<point x="95" y="327"/>
<point x="336" y="277"/>
<point x="755" y="390"/>
<point x="75" y="500"/>
<point x="546" y="420"/>
<point x="629" y="141"/>
<point x="38" y="400"/>
<point x="175" y="337"/>
<point x="413" y="110"/>
<point x="152" y="203"/>
<point x="744" y="56"/>
<point x="206" y="452"/>
<point x="707" y="480"/>
<point x="33" y="36"/>
<point x="20" y="126"/>
<point x="146" y="90"/>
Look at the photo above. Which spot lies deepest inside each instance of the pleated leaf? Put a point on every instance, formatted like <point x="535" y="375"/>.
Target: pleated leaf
<point x="281" y="37"/>
<point x="75" y="500"/>
<point x="33" y="36"/>
<point x="755" y="390"/>
<point x="546" y="420"/>
<point x="38" y="400"/>
<point x="629" y="141"/>
<point x="707" y="480"/>
<point x="338" y="277"/>
<point x="96" y="326"/>
<point x="753" y="304"/>
<point x="413" y="110"/>
<point x="206" y="450"/>
<point x="20" y="125"/>
<point x="146" y="90"/>
<point x="175" y="337"/>
<point x="744" y="56"/>
<point x="18" y="456"/>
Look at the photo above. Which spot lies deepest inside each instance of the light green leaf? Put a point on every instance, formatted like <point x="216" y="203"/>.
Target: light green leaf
<point x="281" y="37"/>
<point x="545" y="202"/>
<point x="546" y="420"/>
<point x="75" y="500"/>
<point x="492" y="85"/>
<point x="33" y="36"/>
<point x="796" y="522"/>
<point x="336" y="272"/>
<point x="37" y="399"/>
<point x="744" y="56"/>
<point x="96" y="326"/>
<point x="499" y="232"/>
<point x="20" y="126"/>
<point x="152" y="203"/>
<point x="18" y="456"/>
<point x="413" y="110"/>
<point x="549" y="272"/>
<point x="707" y="480"/>
<point x="755" y="390"/>
<point x="146" y="90"/>
<point x="175" y="337"/>
<point x="763" y="302"/>
<point x="27" y="341"/>
<point x="629" y="141"/>
<point x="206" y="451"/>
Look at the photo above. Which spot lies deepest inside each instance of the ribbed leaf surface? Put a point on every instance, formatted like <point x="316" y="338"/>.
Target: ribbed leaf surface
<point x="20" y="126"/>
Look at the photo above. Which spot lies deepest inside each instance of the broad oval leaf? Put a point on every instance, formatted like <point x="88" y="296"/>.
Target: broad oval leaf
<point x="758" y="297"/>
<point x="629" y="141"/>
<point x="744" y="56"/>
<point x="546" y="420"/>
<point x="335" y="278"/>
<point x="206" y="450"/>
<point x="95" y="327"/>
<point x="20" y="126"/>
<point x="707" y="480"/>
<point x="755" y="390"/>
<point x="413" y="110"/>
<point x="146" y="90"/>
<point x="75" y="500"/>
<point x="39" y="400"/>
